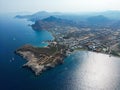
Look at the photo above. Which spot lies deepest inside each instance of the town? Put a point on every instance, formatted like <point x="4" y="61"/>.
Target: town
<point x="98" y="39"/>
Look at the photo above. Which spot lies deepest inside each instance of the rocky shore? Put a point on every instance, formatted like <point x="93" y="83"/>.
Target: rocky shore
<point x="41" y="59"/>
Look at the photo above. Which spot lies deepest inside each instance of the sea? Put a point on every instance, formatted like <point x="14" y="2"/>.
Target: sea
<point x="82" y="70"/>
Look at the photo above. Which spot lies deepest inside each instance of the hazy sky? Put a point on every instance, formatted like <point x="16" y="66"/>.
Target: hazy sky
<point x="58" y="5"/>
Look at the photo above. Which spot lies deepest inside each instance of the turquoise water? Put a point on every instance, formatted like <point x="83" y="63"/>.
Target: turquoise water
<point x="81" y="71"/>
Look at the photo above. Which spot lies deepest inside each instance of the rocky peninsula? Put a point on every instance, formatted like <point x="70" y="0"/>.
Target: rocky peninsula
<point x="41" y="59"/>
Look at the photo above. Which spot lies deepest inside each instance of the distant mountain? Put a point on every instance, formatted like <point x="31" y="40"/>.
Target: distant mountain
<point x="93" y="22"/>
<point x="112" y="14"/>
<point x="103" y="21"/>
<point x="38" y="16"/>
<point x="99" y="21"/>
<point x="57" y="20"/>
<point x="95" y="19"/>
<point x="53" y="21"/>
<point x="115" y="15"/>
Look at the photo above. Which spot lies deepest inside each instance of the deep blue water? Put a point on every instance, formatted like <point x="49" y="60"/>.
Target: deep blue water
<point x="81" y="71"/>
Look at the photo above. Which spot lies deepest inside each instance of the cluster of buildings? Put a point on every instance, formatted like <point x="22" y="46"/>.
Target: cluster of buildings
<point x="100" y="40"/>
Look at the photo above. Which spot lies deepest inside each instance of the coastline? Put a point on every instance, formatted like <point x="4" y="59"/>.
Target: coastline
<point x="110" y="55"/>
<point x="41" y="59"/>
<point x="62" y="44"/>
